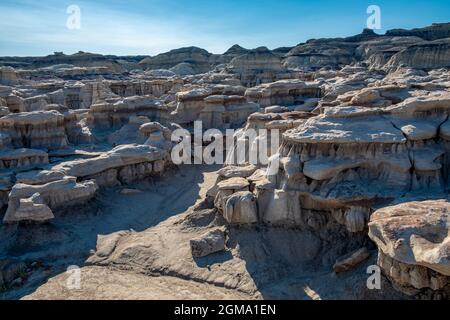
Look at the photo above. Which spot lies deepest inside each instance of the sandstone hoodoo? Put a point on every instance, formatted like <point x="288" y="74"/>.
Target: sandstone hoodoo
<point x="339" y="163"/>
<point x="413" y="244"/>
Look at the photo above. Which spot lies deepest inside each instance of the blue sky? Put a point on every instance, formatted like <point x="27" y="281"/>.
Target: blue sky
<point x="38" y="27"/>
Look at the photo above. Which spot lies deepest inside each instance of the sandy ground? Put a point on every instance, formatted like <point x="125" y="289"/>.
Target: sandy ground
<point x="100" y="283"/>
<point x="72" y="237"/>
<point x="151" y="258"/>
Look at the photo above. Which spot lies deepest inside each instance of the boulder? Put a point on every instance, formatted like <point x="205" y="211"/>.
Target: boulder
<point x="351" y="260"/>
<point x="237" y="172"/>
<point x="241" y="208"/>
<point x="55" y="195"/>
<point x="235" y="183"/>
<point x="32" y="209"/>
<point x="413" y="242"/>
<point x="208" y="243"/>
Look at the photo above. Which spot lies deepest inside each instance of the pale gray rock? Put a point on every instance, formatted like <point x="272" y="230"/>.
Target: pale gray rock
<point x="427" y="55"/>
<point x="257" y="66"/>
<point x="234" y="171"/>
<point x="209" y="243"/>
<point x="56" y="194"/>
<point x="351" y="260"/>
<point x="234" y="183"/>
<point x="356" y="219"/>
<point x="337" y="130"/>
<point x="283" y="92"/>
<point x="40" y="129"/>
<point x="414" y="233"/>
<point x="22" y="158"/>
<point x="8" y="76"/>
<point x="240" y="208"/>
<point x="198" y="58"/>
<point x="183" y="69"/>
<point x="121" y="156"/>
<point x="276" y="109"/>
<point x="32" y="209"/>
<point x="37" y="177"/>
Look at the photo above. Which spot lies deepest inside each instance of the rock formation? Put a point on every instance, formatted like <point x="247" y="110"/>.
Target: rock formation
<point x="357" y="138"/>
<point x="40" y="129"/>
<point x="257" y="66"/>
<point x="197" y="59"/>
<point x="211" y="242"/>
<point x="428" y="55"/>
<point x="283" y="92"/>
<point x="217" y="106"/>
<point x="413" y="244"/>
<point x="8" y="76"/>
<point x="33" y="202"/>
<point x="434" y="32"/>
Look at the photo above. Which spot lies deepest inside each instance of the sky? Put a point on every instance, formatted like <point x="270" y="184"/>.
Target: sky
<point x="149" y="27"/>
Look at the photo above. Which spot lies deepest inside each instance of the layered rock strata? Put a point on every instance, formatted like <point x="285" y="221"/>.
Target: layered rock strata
<point x="413" y="244"/>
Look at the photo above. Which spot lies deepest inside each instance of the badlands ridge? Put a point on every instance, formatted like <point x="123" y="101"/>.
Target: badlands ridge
<point x="87" y="178"/>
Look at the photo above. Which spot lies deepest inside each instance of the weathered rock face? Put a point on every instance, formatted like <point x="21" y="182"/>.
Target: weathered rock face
<point x="373" y="144"/>
<point x="217" y="107"/>
<point x="392" y="146"/>
<point x="124" y="163"/>
<point x="434" y="32"/>
<point x="197" y="58"/>
<point x="8" y="76"/>
<point x="32" y="209"/>
<point x="419" y="48"/>
<point x="235" y="51"/>
<point x="90" y="93"/>
<point x="283" y="92"/>
<point x="41" y="129"/>
<point x="80" y="59"/>
<point x="211" y="242"/>
<point x="156" y="87"/>
<point x="71" y="72"/>
<point x="377" y="52"/>
<point x="263" y="129"/>
<point x="351" y="260"/>
<point x="23" y="205"/>
<point x="316" y="54"/>
<point x="183" y="69"/>
<point x="240" y="208"/>
<point x="115" y="114"/>
<point x="427" y="55"/>
<point x="363" y="121"/>
<point x="257" y="66"/>
<point x="225" y="111"/>
<point x="22" y="158"/>
<point x="61" y="97"/>
<point x="413" y="243"/>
